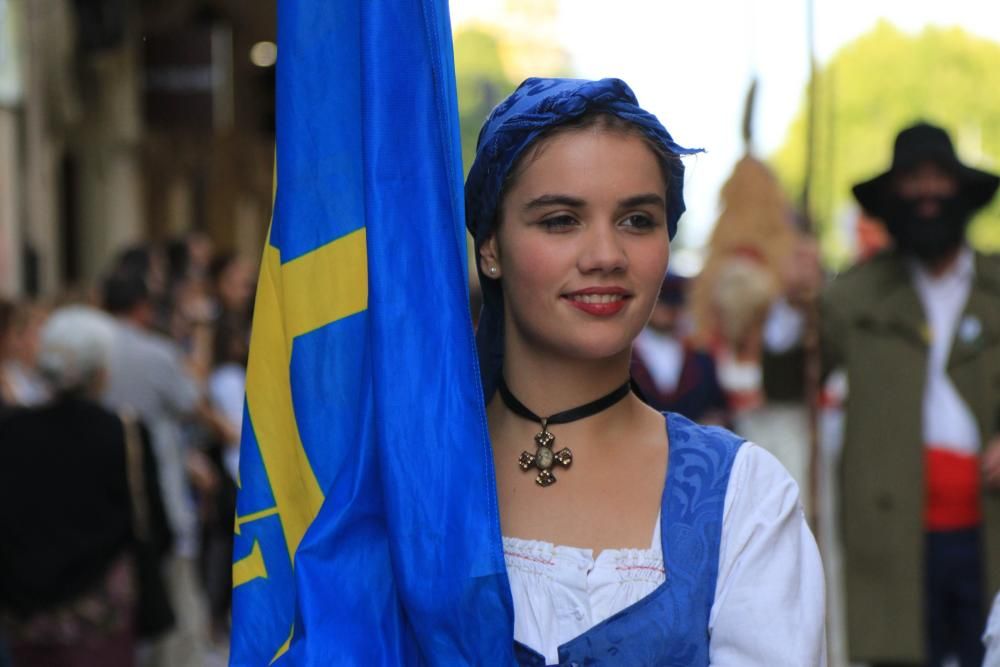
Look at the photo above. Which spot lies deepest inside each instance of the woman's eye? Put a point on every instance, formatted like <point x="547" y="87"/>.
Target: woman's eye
<point x="639" y="221"/>
<point x="558" y="223"/>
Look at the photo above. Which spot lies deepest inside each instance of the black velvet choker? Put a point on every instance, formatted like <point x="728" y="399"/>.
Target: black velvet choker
<point x="544" y="459"/>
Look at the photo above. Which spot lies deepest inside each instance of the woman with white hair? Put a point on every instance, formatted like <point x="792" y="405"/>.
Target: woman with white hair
<point x="77" y="485"/>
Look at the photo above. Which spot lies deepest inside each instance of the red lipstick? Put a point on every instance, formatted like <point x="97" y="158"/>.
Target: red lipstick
<point x="599" y="301"/>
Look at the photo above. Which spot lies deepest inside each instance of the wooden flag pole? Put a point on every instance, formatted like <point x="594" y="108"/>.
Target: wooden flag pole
<point x="811" y="342"/>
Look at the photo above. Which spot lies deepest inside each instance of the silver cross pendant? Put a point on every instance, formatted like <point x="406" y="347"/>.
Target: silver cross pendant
<point x="544" y="459"/>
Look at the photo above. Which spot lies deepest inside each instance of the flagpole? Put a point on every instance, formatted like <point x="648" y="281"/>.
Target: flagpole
<point x="806" y="199"/>
<point x="811" y="339"/>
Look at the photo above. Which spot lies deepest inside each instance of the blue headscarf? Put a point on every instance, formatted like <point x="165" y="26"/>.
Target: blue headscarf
<point x="534" y="107"/>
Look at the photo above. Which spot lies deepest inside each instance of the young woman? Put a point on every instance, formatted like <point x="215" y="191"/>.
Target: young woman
<point x="631" y="537"/>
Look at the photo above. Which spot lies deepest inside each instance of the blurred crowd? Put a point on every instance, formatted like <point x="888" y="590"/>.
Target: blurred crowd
<point x="121" y="417"/>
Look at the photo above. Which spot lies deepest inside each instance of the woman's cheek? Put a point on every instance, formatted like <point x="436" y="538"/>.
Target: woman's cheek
<point x="538" y="265"/>
<point x="649" y="266"/>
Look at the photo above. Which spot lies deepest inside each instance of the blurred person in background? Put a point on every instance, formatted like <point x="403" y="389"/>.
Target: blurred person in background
<point x="227" y="384"/>
<point x="741" y="296"/>
<point x="672" y="375"/>
<point x="147" y="374"/>
<point x="20" y="325"/>
<point x="233" y="279"/>
<point x="916" y="329"/>
<point x="870" y="236"/>
<point x="192" y="307"/>
<point x="200" y="251"/>
<point x="226" y="390"/>
<point x="151" y="262"/>
<point x="75" y="492"/>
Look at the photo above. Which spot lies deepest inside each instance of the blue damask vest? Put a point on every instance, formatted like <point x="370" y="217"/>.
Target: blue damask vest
<point x="669" y="627"/>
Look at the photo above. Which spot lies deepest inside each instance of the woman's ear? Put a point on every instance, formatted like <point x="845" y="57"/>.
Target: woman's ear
<point x="489" y="257"/>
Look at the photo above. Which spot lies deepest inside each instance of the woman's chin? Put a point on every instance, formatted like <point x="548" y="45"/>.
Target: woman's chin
<point x="588" y="342"/>
<point x="593" y="348"/>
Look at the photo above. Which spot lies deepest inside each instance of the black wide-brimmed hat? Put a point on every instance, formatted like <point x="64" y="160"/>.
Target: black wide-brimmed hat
<point x="924" y="142"/>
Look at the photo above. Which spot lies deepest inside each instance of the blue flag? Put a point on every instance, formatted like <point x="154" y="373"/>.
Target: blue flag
<point x="367" y="530"/>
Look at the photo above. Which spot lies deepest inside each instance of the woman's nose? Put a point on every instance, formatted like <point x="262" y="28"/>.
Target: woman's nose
<point x="602" y="251"/>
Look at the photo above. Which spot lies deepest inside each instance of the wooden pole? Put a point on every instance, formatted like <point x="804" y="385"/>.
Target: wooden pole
<point x="811" y="341"/>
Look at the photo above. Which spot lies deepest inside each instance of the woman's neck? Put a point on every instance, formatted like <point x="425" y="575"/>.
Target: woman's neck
<point x="547" y="384"/>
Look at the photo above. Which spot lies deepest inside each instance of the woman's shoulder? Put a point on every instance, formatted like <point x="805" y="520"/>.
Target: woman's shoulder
<point x="760" y="484"/>
<point x="703" y="459"/>
<point x="750" y="460"/>
<point x="757" y="481"/>
<point x="685" y="433"/>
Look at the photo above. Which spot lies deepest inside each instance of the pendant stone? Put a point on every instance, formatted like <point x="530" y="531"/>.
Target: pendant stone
<point x="544" y="458"/>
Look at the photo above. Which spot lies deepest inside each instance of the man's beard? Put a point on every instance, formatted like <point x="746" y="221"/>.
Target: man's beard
<point x="928" y="238"/>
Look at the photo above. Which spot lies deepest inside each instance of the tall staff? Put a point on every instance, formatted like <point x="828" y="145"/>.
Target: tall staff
<point x="813" y="371"/>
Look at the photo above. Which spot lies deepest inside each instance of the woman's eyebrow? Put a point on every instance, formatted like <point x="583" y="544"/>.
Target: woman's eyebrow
<point x="555" y="200"/>
<point x="642" y="200"/>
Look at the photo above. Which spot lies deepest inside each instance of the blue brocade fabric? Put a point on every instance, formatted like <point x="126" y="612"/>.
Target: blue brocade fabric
<point x="669" y="627"/>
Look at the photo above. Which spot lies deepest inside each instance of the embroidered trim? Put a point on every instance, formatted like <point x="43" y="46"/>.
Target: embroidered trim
<point x="531" y="558"/>
<point x="625" y="568"/>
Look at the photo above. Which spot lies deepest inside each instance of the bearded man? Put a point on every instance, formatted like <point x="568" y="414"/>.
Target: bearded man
<point x="917" y="329"/>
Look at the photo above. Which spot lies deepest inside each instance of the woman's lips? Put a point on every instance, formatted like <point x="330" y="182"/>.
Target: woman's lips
<point x="601" y="302"/>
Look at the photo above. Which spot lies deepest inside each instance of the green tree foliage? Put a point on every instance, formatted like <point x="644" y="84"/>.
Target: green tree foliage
<point x="875" y="86"/>
<point x="481" y="82"/>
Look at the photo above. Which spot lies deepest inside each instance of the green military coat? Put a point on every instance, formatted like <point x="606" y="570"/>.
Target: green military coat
<point x="874" y="327"/>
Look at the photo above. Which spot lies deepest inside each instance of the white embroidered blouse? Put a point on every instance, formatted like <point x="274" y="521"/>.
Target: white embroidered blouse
<point x="769" y="597"/>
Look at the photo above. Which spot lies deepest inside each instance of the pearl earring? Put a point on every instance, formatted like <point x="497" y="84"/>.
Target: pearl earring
<point x="493" y="270"/>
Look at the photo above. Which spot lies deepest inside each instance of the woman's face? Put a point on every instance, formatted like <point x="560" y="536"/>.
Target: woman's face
<point x="582" y="244"/>
<point x="236" y="285"/>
